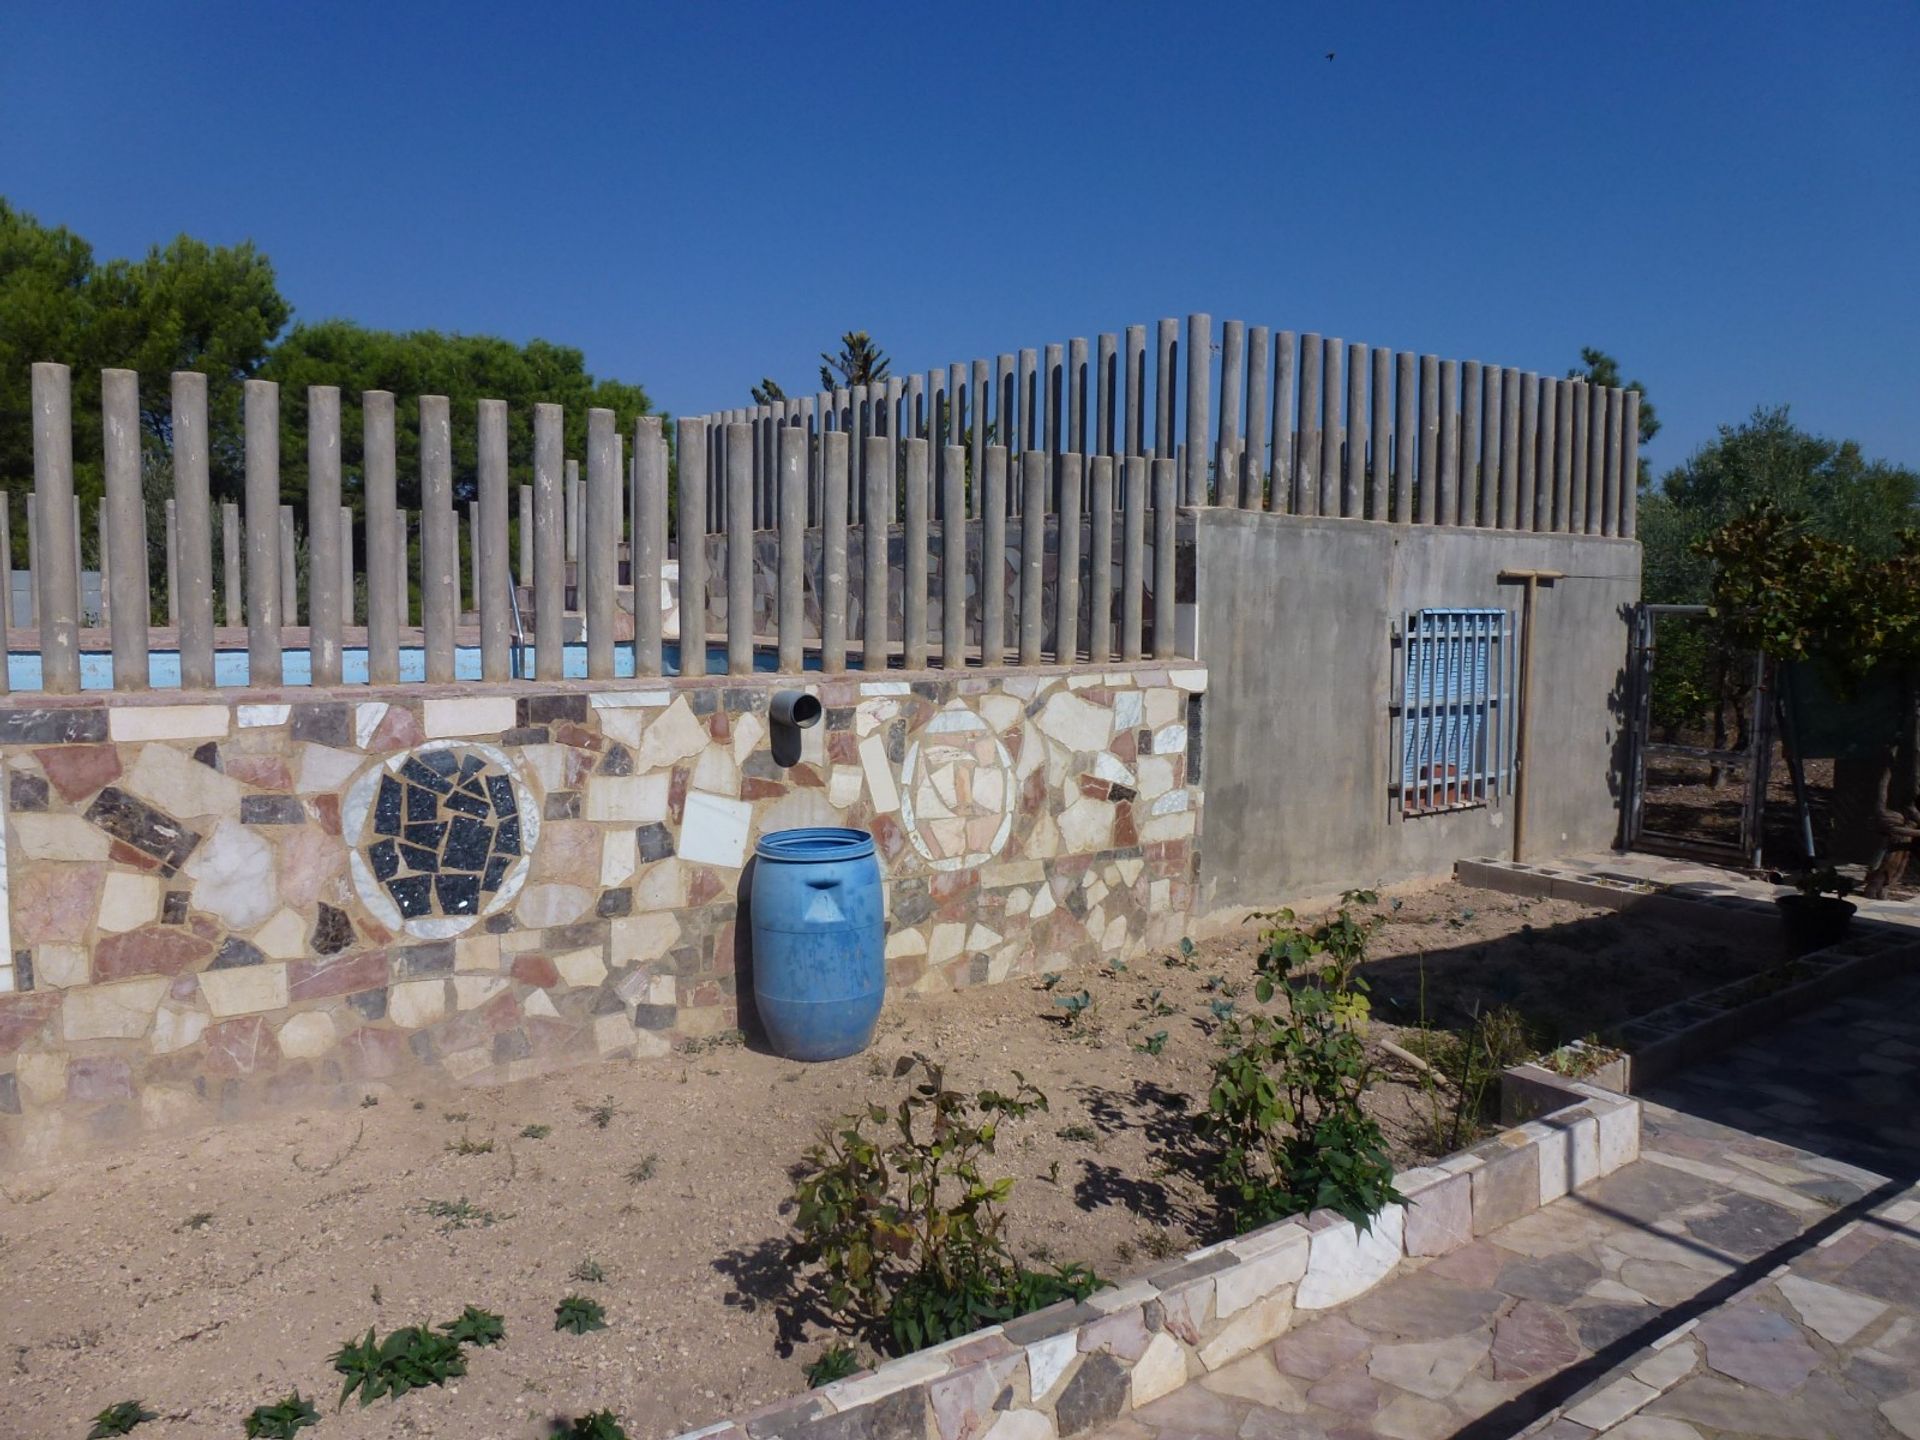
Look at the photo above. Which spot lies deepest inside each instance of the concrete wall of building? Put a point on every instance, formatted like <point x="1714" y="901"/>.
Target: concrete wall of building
<point x="1295" y="623"/>
<point x="213" y="904"/>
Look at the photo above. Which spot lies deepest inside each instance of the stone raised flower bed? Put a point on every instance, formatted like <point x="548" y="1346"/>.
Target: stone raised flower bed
<point x="1070" y="1368"/>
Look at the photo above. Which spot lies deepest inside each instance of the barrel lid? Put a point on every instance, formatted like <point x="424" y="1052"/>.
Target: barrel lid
<point x="815" y="843"/>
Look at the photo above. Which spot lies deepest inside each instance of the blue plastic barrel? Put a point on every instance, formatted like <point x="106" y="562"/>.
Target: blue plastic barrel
<point x="819" y="941"/>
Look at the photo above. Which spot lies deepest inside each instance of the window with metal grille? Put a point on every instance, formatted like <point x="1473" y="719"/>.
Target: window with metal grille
<point x="1455" y="681"/>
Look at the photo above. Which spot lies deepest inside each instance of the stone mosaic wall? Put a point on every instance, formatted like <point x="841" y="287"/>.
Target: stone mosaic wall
<point x="215" y="906"/>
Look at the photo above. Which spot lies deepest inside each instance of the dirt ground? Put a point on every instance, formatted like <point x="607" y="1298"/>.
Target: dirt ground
<point x="207" y="1274"/>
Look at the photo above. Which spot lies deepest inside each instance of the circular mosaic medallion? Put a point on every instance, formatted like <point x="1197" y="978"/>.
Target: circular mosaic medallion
<point x="957" y="791"/>
<point x="439" y="836"/>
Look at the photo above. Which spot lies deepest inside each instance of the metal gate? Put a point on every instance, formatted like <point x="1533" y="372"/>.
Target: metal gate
<point x="1753" y="761"/>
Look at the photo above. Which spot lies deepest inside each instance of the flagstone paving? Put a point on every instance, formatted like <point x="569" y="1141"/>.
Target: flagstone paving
<point x="1756" y="1273"/>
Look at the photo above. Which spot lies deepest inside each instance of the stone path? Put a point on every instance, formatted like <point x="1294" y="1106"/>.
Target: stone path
<point x="1756" y="1273"/>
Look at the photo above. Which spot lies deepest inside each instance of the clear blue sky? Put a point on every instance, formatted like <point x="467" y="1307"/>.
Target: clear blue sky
<point x="1725" y="196"/>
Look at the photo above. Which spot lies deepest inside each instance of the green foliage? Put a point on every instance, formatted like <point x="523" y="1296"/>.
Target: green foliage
<point x="768" y="392"/>
<point x="535" y="1132"/>
<point x="1336" y="947"/>
<point x="1154" y="1043"/>
<point x="281" y="1421"/>
<point x="588" y="1272"/>
<point x="644" y="1171"/>
<point x="836" y="1362"/>
<point x="1780" y="588"/>
<point x="410" y="1358"/>
<point x="1839" y="495"/>
<point x="907" y="1228"/>
<point x="1472" y="1064"/>
<point x="1824" y="881"/>
<point x="600" y="1425"/>
<point x="463" y="368"/>
<point x="1838" y="492"/>
<point x="183" y="306"/>
<point x="1284" y="1109"/>
<point x="475" y="1326"/>
<point x="577" y="1315"/>
<point x="467" y="1145"/>
<point x="1079" y="1010"/>
<point x="461" y="1214"/>
<point x="860" y="362"/>
<point x="119" y="1419"/>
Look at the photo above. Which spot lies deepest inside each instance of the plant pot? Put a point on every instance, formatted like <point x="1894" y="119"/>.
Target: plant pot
<point x="1813" y="922"/>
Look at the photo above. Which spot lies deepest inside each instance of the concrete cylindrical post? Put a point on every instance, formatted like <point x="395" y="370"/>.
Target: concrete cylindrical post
<point x="172" y="552"/>
<point x="834" y="472"/>
<point x="692" y="531"/>
<point x="649" y="540"/>
<point x="496" y="607"/>
<point x="1135" y="442"/>
<point x="1492" y="423"/>
<point x="439" y="537"/>
<point x="1252" y="477"/>
<point x="1199" y="406"/>
<point x="1544" y="463"/>
<point x="1471" y="400"/>
<point x="740" y="435"/>
<point x="323" y="533"/>
<point x="263" y="532"/>
<point x="793" y="548"/>
<point x="1133" y="558"/>
<point x="1280" y="485"/>
<point x="1353" y="478"/>
<point x="386" y="541"/>
<point x="1066" y="608"/>
<point x="600" y="539"/>
<point x="550" y="467"/>
<point x="1509" y="448"/>
<point x="1446" y="498"/>
<point x="1226" y="455"/>
<point x="1100" y="559"/>
<point x="1166" y="343"/>
<point x="874" y="614"/>
<point x="1165" y="607"/>
<point x="123" y="585"/>
<point x="953" y="561"/>
<point x="1629" y="464"/>
<point x="1033" y="548"/>
<point x="1426" y="502"/>
<point x="1528" y="487"/>
<point x="196" y="530"/>
<point x="913" y="564"/>
<point x="993" y="559"/>
<point x="1306" y="466"/>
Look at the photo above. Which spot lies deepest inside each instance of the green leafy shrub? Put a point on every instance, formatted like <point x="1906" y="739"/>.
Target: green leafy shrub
<point x="600" y="1425"/>
<point x="411" y="1358"/>
<point x="475" y="1326"/>
<point x="906" y="1226"/>
<point x="577" y="1315"/>
<point x="1284" y="1108"/>
<point x="119" y="1419"/>
<point x="836" y="1362"/>
<point x="281" y="1421"/>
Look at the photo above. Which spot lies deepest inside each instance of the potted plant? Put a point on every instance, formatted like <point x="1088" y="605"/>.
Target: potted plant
<point x="1819" y="913"/>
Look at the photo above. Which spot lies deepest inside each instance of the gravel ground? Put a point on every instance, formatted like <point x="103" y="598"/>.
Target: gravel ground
<point x="210" y="1273"/>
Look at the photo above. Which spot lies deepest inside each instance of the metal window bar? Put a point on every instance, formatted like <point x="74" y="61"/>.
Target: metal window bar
<point x="1453" y="709"/>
